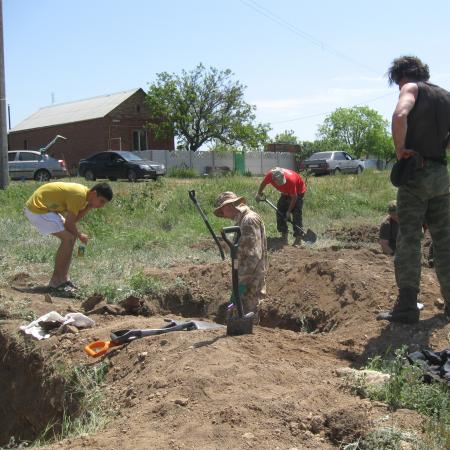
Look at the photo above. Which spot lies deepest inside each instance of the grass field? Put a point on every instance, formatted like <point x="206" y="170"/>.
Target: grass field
<point x="155" y="224"/>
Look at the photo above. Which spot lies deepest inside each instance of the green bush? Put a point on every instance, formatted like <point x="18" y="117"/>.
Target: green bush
<point x="182" y="172"/>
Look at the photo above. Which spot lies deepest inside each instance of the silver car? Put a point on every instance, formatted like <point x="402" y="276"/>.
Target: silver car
<point x="32" y="165"/>
<point x="332" y="163"/>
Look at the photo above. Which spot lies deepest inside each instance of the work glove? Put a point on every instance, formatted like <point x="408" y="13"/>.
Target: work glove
<point x="260" y="197"/>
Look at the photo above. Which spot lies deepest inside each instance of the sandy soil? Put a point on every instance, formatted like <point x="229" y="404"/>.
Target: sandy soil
<point x="274" y="389"/>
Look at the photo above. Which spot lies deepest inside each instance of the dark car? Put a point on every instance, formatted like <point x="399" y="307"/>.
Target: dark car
<point x="115" y="165"/>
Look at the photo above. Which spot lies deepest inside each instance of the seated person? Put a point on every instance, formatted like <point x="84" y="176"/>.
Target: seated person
<point x="389" y="230"/>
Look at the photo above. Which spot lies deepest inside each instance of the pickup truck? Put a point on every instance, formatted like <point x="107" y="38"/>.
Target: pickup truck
<point x="332" y="163"/>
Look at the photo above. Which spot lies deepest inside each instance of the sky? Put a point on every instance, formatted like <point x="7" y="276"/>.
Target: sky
<point x="299" y="59"/>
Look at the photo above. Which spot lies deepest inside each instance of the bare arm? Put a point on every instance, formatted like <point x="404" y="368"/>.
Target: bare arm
<point x="83" y="212"/>
<point x="406" y="101"/>
<point x="71" y="226"/>
<point x="292" y="204"/>
<point x="387" y="250"/>
<point x="261" y="187"/>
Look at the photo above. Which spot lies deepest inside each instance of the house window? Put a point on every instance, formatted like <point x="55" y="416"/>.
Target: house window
<point x="140" y="140"/>
<point x="138" y="108"/>
<point x="25" y="144"/>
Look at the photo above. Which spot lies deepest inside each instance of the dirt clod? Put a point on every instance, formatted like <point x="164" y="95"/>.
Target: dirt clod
<point x="182" y="401"/>
<point x="346" y="425"/>
<point x="91" y="302"/>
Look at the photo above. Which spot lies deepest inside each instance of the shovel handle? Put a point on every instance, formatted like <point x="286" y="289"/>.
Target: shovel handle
<point x="98" y="348"/>
<point x="227" y="230"/>
<point x="192" y="196"/>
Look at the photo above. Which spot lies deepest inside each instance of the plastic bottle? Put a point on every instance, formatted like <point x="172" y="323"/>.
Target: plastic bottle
<point x="81" y="250"/>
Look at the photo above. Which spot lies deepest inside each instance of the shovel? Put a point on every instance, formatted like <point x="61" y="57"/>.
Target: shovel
<point x="120" y="337"/>
<point x="308" y="236"/>
<point x="243" y="323"/>
<point x="205" y="219"/>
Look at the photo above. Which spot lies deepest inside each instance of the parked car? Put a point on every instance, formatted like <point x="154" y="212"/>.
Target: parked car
<point x="29" y="164"/>
<point x="114" y="165"/>
<point x="332" y="163"/>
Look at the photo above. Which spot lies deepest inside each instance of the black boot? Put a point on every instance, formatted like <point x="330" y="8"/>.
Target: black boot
<point x="405" y="309"/>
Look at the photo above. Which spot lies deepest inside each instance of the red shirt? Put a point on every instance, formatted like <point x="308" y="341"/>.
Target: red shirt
<point x="294" y="183"/>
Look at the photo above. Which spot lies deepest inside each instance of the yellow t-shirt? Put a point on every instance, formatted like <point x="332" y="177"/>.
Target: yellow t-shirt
<point x="58" y="197"/>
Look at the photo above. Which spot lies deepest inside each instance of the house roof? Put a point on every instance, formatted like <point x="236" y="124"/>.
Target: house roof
<point x="90" y="108"/>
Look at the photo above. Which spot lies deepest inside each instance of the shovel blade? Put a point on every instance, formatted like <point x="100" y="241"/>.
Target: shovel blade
<point x="310" y="236"/>
<point x="203" y="325"/>
<point x="237" y="326"/>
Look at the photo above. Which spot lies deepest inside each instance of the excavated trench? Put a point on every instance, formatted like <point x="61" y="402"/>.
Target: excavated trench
<point x="314" y="294"/>
<point x="32" y="394"/>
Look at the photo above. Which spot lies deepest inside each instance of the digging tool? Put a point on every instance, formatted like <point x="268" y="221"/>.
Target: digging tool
<point x="243" y="323"/>
<point x="308" y="236"/>
<point x="205" y="219"/>
<point x="120" y="337"/>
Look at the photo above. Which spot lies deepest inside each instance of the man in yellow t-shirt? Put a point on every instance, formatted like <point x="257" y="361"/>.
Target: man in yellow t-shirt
<point x="55" y="208"/>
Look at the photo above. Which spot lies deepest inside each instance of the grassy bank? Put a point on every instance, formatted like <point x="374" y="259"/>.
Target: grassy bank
<point x="155" y="224"/>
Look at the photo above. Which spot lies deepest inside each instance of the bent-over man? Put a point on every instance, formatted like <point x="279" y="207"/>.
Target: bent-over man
<point x="292" y="188"/>
<point x="56" y="208"/>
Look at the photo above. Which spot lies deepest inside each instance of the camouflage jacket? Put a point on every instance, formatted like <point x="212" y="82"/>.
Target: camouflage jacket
<point x="252" y="255"/>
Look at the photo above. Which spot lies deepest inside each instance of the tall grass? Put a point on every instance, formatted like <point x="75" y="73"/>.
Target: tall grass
<point x="155" y="224"/>
<point x="406" y="389"/>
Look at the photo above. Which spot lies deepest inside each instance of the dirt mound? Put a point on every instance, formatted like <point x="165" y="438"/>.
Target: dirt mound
<point x="203" y="390"/>
<point x="358" y="235"/>
<point x="307" y="290"/>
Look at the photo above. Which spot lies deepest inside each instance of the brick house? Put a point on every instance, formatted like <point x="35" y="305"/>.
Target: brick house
<point x="109" y="122"/>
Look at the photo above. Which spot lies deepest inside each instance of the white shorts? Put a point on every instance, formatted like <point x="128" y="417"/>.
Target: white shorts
<point x="48" y="223"/>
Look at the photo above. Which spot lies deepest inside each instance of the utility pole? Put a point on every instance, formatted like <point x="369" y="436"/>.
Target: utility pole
<point x="4" y="174"/>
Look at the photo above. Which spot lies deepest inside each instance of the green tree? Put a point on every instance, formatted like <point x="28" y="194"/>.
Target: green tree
<point x="310" y="147"/>
<point x="358" y="130"/>
<point x="202" y="106"/>
<point x="288" y="137"/>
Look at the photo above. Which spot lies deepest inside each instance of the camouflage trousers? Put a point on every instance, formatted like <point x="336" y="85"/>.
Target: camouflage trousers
<point x="253" y="292"/>
<point x="424" y="199"/>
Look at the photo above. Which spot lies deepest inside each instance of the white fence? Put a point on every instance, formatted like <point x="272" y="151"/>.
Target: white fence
<point x="258" y="163"/>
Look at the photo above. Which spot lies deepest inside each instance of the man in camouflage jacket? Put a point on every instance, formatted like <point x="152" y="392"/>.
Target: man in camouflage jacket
<point x="252" y="254"/>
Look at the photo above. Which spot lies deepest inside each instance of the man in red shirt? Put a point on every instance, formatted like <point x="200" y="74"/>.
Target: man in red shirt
<point x="292" y="188"/>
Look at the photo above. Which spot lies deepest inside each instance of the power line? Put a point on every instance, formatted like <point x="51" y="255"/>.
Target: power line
<point x="329" y="112"/>
<point x="302" y="34"/>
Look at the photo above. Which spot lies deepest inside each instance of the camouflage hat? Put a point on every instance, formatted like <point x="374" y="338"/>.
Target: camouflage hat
<point x="392" y="207"/>
<point x="278" y="176"/>
<point x="225" y="198"/>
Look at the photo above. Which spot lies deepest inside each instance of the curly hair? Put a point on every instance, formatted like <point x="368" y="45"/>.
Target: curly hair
<point x="409" y="67"/>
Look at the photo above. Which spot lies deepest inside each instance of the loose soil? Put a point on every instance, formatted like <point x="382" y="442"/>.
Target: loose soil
<point x="274" y="389"/>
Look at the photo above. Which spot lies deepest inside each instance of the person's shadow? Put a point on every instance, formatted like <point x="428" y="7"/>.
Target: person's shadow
<point x="395" y="335"/>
